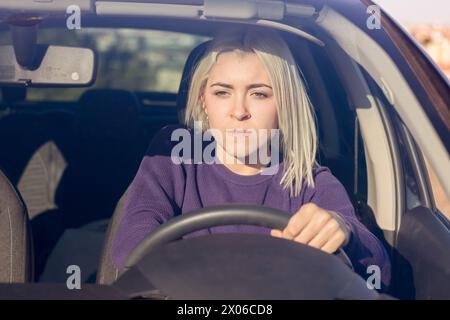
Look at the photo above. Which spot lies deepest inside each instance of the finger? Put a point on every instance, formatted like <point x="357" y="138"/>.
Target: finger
<point x="298" y="221"/>
<point x="328" y="230"/>
<point x="335" y="242"/>
<point x="313" y="228"/>
<point x="276" y="233"/>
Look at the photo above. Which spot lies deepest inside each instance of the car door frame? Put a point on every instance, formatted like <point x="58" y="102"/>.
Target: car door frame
<point x="421" y="239"/>
<point x="423" y="234"/>
<point x="421" y="266"/>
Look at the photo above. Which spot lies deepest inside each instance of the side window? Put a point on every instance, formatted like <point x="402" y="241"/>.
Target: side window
<point x="413" y="198"/>
<point x="419" y="178"/>
<point x="408" y="150"/>
<point x="440" y="198"/>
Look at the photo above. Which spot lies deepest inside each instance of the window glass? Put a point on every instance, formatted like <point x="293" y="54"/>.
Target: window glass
<point x="440" y="197"/>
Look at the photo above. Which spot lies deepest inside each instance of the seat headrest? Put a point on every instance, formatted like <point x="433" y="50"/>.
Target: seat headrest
<point x="108" y="110"/>
<point x="108" y="100"/>
<point x="12" y="95"/>
<point x="191" y="62"/>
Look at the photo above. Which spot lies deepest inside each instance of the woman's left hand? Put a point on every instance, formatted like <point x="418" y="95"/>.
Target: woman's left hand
<point x="316" y="227"/>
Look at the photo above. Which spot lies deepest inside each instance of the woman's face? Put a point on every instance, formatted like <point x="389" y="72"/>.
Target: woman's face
<point x="239" y="101"/>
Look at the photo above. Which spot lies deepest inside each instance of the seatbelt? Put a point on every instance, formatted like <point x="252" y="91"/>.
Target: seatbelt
<point x="358" y="203"/>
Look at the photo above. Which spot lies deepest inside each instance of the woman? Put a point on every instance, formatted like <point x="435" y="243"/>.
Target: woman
<point x="246" y="86"/>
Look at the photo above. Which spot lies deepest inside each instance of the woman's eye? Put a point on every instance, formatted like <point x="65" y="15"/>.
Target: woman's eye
<point x="220" y="93"/>
<point x="259" y="94"/>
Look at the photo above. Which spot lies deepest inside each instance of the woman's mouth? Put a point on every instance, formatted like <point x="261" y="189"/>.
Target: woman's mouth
<point x="240" y="132"/>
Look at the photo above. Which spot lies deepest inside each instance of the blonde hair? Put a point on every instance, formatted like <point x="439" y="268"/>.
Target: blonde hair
<point x="296" y="119"/>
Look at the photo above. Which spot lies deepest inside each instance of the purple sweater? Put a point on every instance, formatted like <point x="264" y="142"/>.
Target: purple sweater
<point x="162" y="189"/>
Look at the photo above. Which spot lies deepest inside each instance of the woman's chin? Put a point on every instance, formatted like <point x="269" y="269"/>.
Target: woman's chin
<point x="249" y="157"/>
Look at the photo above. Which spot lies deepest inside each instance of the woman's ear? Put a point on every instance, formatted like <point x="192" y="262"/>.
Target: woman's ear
<point x="202" y="103"/>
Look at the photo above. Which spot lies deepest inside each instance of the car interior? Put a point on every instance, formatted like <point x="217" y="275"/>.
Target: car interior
<point x="65" y="153"/>
<point x="67" y="164"/>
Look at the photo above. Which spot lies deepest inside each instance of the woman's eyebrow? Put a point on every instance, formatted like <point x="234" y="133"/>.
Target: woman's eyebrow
<point x="251" y="86"/>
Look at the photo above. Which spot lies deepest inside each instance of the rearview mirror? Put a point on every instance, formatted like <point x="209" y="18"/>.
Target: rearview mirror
<point x="53" y="66"/>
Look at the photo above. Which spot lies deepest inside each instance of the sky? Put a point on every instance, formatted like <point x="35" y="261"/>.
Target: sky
<point x="418" y="11"/>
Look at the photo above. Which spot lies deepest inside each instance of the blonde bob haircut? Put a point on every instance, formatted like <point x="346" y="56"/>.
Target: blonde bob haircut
<point x="296" y="120"/>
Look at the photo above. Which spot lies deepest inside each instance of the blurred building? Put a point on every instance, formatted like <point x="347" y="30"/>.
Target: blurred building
<point x="436" y="41"/>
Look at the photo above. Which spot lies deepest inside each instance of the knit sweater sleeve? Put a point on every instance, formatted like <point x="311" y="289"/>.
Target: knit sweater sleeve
<point x="154" y="197"/>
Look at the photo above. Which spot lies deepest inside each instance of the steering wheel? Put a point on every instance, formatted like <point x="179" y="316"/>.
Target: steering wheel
<point x="214" y="216"/>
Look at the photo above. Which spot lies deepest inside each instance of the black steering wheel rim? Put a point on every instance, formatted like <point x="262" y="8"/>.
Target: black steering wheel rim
<point x="214" y="216"/>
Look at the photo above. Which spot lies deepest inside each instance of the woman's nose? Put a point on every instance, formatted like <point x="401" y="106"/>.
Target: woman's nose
<point x="240" y="111"/>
